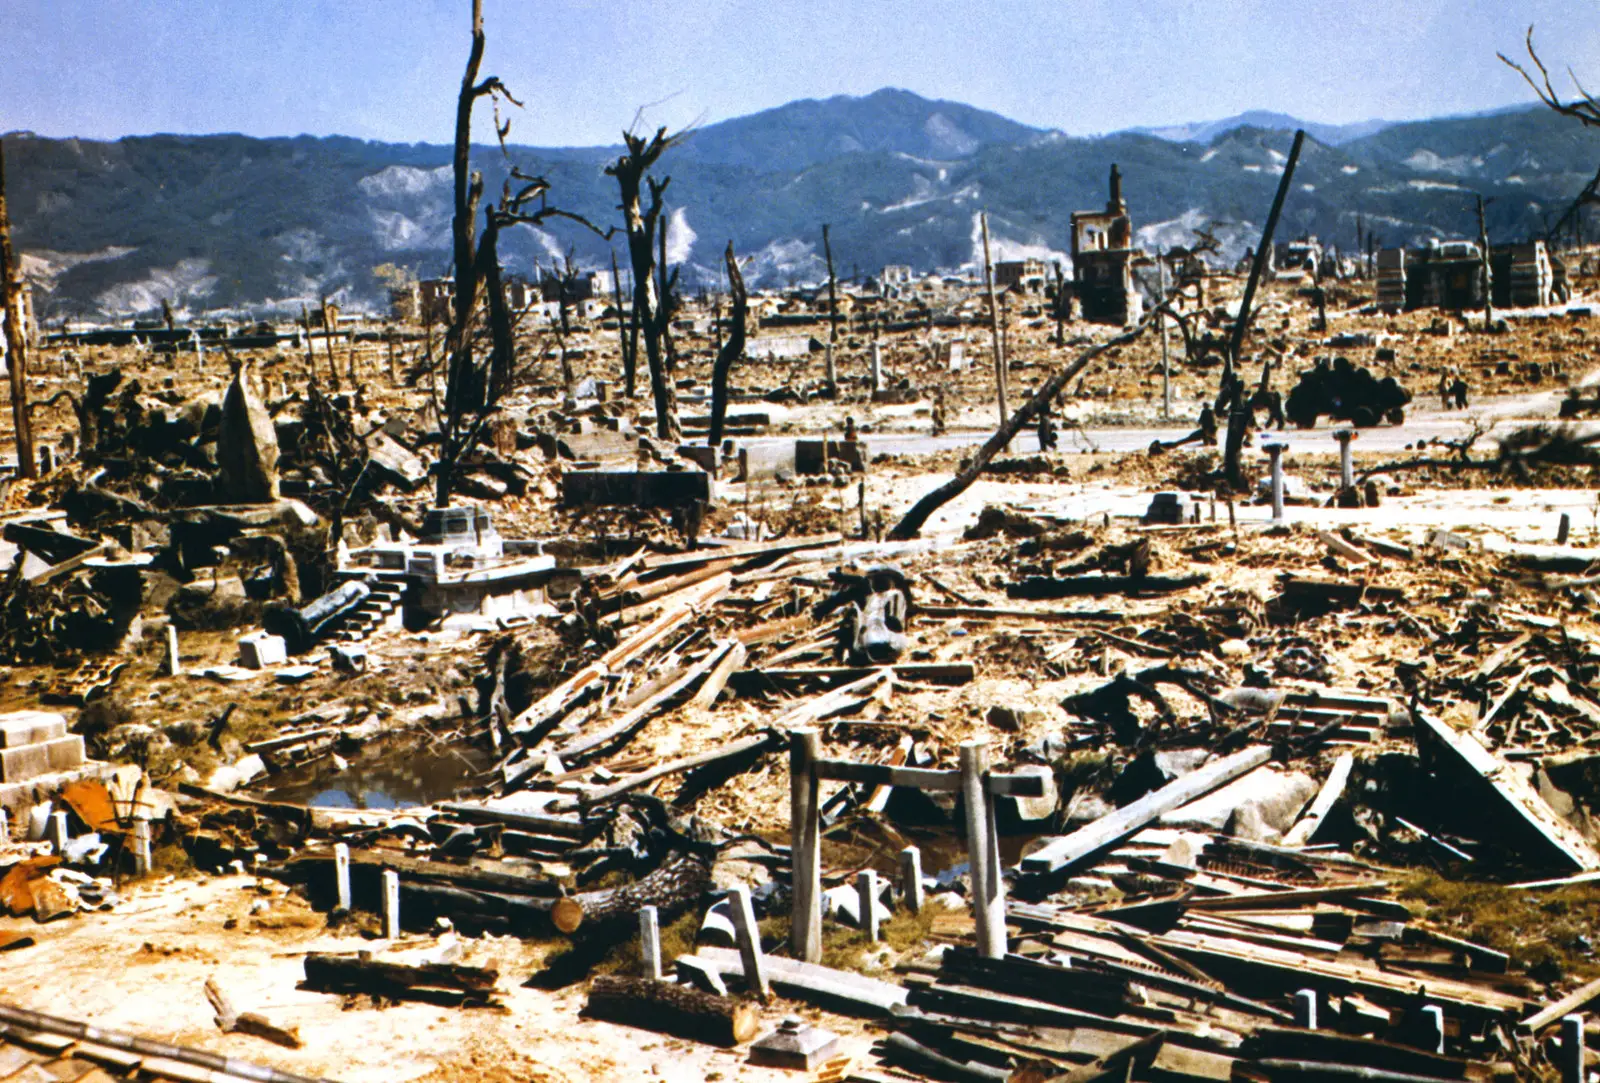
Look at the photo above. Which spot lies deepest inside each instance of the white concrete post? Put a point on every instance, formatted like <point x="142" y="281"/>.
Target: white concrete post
<point x="5" y="827"/>
<point x="983" y="855"/>
<point x="749" y="938"/>
<point x="1572" y="1049"/>
<point x="391" y="904"/>
<point x="1305" y="1009"/>
<point x="58" y="832"/>
<point x="650" y="942"/>
<point x="174" y="661"/>
<point x="141" y="847"/>
<point x="341" y="875"/>
<point x="805" y="841"/>
<point x="867" y="900"/>
<point x="1347" y="470"/>
<point x="1434" y="1040"/>
<point x="1276" y="451"/>
<point x="911" y="878"/>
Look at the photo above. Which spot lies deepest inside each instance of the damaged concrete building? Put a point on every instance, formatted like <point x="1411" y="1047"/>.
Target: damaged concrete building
<point x="1102" y="261"/>
<point x="1449" y="275"/>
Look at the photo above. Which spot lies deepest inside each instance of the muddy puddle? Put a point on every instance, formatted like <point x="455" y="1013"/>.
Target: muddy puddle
<point x="399" y="773"/>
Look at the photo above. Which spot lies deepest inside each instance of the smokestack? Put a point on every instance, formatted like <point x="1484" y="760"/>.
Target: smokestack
<point x="1115" y="204"/>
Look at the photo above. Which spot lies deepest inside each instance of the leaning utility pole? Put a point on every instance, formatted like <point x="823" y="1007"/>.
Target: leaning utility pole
<point x="1239" y="414"/>
<point x="994" y="321"/>
<point x="1486" y="274"/>
<point x="16" y="337"/>
<point x="830" y="373"/>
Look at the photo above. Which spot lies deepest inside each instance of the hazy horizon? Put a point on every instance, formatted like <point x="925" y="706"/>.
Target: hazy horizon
<point x="390" y="71"/>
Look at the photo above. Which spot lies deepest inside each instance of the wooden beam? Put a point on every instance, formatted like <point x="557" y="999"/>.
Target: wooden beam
<point x="943" y="672"/>
<point x="1104" y="834"/>
<point x="1307" y="826"/>
<point x="1575" y="1001"/>
<point x="1561" y="843"/>
<point x="838" y="990"/>
<point x="922" y="778"/>
<point x="672" y="767"/>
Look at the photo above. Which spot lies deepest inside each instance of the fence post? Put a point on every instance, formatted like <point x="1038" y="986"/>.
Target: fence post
<point x="805" y="838"/>
<point x="983" y="855"/>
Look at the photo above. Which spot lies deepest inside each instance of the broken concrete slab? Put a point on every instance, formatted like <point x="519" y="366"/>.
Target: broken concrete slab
<point x="19" y="728"/>
<point x="634" y="488"/>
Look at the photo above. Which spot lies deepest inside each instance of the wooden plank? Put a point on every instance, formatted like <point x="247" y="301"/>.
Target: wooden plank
<point x="1311" y="820"/>
<point x="922" y="778"/>
<point x="1094" y="839"/>
<point x="672" y="767"/>
<point x="1292" y="899"/>
<point x="1562" y="843"/>
<point x="942" y="672"/>
<point x="1341" y="548"/>
<point x="717" y="679"/>
<point x="1575" y="1001"/>
<point x="1052" y="616"/>
<point x="836" y="989"/>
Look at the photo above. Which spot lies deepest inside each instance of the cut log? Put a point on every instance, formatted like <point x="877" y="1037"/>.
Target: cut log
<point x="364" y="974"/>
<point x="1092" y="840"/>
<point x="1557" y="842"/>
<point x="674" y="888"/>
<point x="1036" y="588"/>
<point x="678" y="1010"/>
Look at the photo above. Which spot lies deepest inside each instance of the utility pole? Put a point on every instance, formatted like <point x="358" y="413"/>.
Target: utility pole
<point x="1166" y="370"/>
<point x="994" y="322"/>
<point x="830" y="373"/>
<point x="1487" y="273"/>
<point x="16" y="337"/>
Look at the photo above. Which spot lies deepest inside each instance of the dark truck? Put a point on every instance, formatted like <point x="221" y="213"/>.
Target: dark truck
<point x="1346" y="392"/>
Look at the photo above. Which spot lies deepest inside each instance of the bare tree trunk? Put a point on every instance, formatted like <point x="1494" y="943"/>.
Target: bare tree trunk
<point x="730" y="351"/>
<point x="831" y="373"/>
<point x="627" y="333"/>
<point x="1487" y="273"/>
<point x="327" y="345"/>
<point x="911" y="525"/>
<point x="16" y="337"/>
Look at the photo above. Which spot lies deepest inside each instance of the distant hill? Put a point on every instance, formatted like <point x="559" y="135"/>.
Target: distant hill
<point x="1204" y="131"/>
<point x="226" y="222"/>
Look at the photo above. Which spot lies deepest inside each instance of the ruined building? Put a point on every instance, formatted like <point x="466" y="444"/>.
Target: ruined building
<point x="1102" y="261"/>
<point x="1449" y="275"/>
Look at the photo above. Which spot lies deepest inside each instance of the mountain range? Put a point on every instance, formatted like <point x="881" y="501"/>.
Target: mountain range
<point x="229" y="223"/>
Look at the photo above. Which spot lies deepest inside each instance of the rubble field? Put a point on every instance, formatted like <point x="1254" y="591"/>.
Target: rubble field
<point x="640" y="762"/>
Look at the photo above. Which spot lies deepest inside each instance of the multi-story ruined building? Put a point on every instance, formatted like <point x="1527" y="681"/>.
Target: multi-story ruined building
<point x="1102" y="261"/>
<point x="1027" y="275"/>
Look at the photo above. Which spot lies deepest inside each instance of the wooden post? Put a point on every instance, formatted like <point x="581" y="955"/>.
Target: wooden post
<point x="341" y="874"/>
<point x="830" y="373"/>
<point x="1563" y="529"/>
<point x="983" y="856"/>
<point x="174" y="662"/>
<point x="805" y="838"/>
<point x="650" y="942"/>
<point x="1305" y="1009"/>
<point x="1275" y="450"/>
<point x="867" y="900"/>
<point x="391" y="904"/>
<point x="394" y="373"/>
<point x="749" y="937"/>
<point x="911" y="878"/>
<point x="1572" y="1049"/>
<point x="141" y="847"/>
<point x="58" y="832"/>
<point x="994" y="322"/>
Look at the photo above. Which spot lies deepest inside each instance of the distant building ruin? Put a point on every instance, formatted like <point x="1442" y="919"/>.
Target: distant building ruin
<point x="1102" y="261"/>
<point x="1449" y="276"/>
<point x="1025" y="275"/>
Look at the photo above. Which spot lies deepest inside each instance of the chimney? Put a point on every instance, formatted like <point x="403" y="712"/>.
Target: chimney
<point x="1115" y="204"/>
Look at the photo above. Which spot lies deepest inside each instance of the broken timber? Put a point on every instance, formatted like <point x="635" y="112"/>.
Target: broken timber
<point x="1561" y="843"/>
<point x="1104" y="834"/>
<point x="678" y="1010"/>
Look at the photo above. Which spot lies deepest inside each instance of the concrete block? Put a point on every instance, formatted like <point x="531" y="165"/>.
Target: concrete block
<point x="24" y="763"/>
<point x="813" y="456"/>
<point x="64" y="753"/>
<point x="1168" y="508"/>
<point x="258" y="650"/>
<point x="19" y="728"/>
<point x="634" y="488"/>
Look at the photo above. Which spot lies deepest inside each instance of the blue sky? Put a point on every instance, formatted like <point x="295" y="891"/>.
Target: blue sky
<point x="389" y="69"/>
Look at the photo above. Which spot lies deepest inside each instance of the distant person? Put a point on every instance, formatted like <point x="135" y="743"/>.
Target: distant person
<point x="938" y="412"/>
<point x="849" y="430"/>
<point x="1046" y="428"/>
<point x="1445" y="388"/>
<point x="1458" y="391"/>
<point x="1208" y="425"/>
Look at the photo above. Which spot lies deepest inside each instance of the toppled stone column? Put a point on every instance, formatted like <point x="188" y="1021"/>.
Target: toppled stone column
<point x="247" y="446"/>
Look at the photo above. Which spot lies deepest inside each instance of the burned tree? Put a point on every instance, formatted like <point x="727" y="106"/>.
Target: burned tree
<point x="627" y="332"/>
<point x="475" y="384"/>
<point x="643" y="224"/>
<point x="16" y="336"/>
<point x="731" y="350"/>
<point x="1584" y="109"/>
